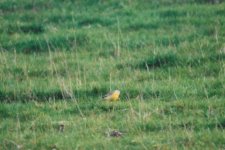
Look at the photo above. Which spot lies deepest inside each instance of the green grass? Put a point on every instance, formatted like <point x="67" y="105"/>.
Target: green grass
<point x="58" y="58"/>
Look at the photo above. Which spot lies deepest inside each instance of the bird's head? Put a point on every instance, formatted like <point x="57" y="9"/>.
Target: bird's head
<point x="117" y="92"/>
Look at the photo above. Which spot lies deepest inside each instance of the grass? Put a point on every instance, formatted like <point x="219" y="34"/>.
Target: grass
<point x="58" y="58"/>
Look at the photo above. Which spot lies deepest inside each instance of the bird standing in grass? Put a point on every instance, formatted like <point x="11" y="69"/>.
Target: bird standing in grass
<point x="112" y="96"/>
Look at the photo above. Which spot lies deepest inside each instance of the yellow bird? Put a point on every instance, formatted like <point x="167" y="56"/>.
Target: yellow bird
<point x="112" y="96"/>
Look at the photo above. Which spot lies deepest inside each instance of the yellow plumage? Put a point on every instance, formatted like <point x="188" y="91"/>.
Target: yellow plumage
<point x="112" y="96"/>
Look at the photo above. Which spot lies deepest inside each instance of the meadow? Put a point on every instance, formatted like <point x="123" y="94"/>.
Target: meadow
<point x="59" y="57"/>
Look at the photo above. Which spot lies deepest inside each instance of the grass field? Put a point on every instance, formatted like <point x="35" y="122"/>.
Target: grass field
<point x="59" y="57"/>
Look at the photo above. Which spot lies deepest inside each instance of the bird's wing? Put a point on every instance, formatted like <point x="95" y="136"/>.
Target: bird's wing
<point x="107" y="95"/>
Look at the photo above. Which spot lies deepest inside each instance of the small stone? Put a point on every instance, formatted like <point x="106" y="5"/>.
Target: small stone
<point x="53" y="147"/>
<point x="115" y="133"/>
<point x="61" y="127"/>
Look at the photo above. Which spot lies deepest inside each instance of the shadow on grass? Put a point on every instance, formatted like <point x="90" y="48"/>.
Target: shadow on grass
<point x="54" y="43"/>
<point x="94" y="21"/>
<point x="173" y="13"/>
<point x="84" y="95"/>
<point x="145" y="26"/>
<point x="171" y="59"/>
<point x="163" y="60"/>
<point x="20" y="74"/>
<point x="57" y="94"/>
<point x="28" y="29"/>
<point x="14" y="6"/>
<point x="199" y="126"/>
<point x="156" y="126"/>
<point x="93" y="94"/>
<point x="54" y="94"/>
